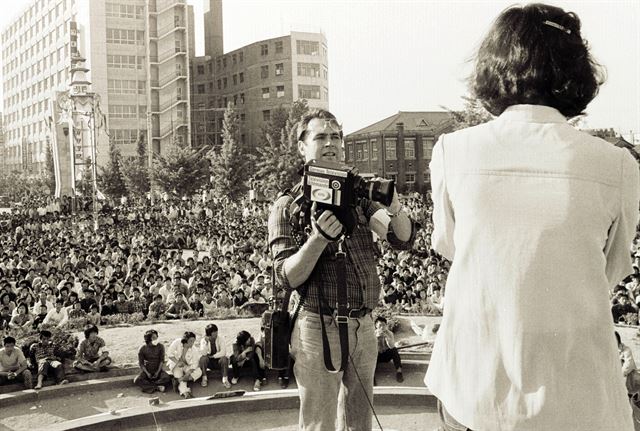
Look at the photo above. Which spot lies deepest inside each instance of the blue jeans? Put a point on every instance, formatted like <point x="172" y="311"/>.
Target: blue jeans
<point x="448" y="422"/>
<point x="326" y="397"/>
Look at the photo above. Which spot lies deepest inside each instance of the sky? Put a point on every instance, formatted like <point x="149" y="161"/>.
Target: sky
<point x="387" y="56"/>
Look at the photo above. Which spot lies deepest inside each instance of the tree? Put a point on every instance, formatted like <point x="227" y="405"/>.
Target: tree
<point x="110" y="179"/>
<point x="278" y="160"/>
<point x="229" y="162"/>
<point x="472" y="114"/>
<point x="135" y="172"/>
<point x="49" y="175"/>
<point x="181" y="172"/>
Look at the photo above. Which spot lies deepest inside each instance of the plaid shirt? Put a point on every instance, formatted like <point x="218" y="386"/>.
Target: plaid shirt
<point x="363" y="286"/>
<point x="43" y="351"/>
<point x="137" y="306"/>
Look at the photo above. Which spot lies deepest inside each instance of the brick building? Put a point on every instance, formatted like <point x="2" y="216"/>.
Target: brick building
<point x="398" y="147"/>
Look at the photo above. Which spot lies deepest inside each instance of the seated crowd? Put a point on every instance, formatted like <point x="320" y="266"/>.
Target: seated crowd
<point x="55" y="269"/>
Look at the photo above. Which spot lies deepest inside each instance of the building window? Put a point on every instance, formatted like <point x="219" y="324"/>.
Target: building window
<point x="390" y="148"/>
<point x="279" y="47"/>
<point x="427" y="148"/>
<point x="279" y="69"/>
<point x="280" y="91"/>
<point x="235" y="79"/>
<point x="201" y="89"/>
<point x="125" y="37"/>
<point x="374" y="149"/>
<point x="224" y="62"/>
<point x="219" y="84"/>
<point x="365" y="151"/>
<point x="264" y="49"/>
<point x="265" y="93"/>
<point x="307" y="47"/>
<point x="427" y="176"/>
<point x="243" y="117"/>
<point x="126" y="86"/>
<point x="201" y="69"/>
<point x="123" y="136"/>
<point x="266" y="115"/>
<point x="123" y="111"/>
<point x="224" y="82"/>
<point x="309" y="91"/>
<point x="241" y="56"/>
<point x="358" y="152"/>
<point x="234" y="59"/>
<point x="309" y="69"/>
<point x="264" y="72"/>
<point x="409" y="148"/>
<point x="410" y="178"/>
<point x="325" y="73"/>
<point x="242" y="98"/>
<point x="241" y="76"/>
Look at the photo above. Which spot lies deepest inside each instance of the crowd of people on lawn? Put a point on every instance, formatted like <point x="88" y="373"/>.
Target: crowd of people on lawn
<point x="55" y="269"/>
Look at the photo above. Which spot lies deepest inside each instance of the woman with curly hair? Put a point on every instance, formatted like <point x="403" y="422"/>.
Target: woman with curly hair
<point x="538" y="219"/>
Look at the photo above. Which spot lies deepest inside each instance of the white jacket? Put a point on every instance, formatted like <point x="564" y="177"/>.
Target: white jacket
<point x="538" y="219"/>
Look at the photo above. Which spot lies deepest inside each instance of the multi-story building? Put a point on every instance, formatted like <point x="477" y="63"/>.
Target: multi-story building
<point x="3" y="160"/>
<point x="257" y="78"/>
<point x="398" y="147"/>
<point x="137" y="53"/>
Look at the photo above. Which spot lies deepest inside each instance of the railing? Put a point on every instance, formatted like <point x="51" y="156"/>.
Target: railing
<point x="170" y="53"/>
<point x="167" y="29"/>
<point x="170" y="77"/>
<point x="171" y="127"/>
<point x="163" y="5"/>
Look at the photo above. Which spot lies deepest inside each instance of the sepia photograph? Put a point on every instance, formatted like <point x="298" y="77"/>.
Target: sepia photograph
<point x="319" y="215"/>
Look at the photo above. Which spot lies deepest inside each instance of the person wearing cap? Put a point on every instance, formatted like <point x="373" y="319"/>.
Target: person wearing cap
<point x="308" y="265"/>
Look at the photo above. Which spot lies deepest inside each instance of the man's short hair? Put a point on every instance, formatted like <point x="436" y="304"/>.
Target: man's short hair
<point x="89" y="329"/>
<point x="301" y="127"/>
<point x="45" y="333"/>
<point x="381" y="319"/>
<point x="8" y="340"/>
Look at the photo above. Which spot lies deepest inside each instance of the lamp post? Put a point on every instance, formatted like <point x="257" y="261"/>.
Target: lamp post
<point x="84" y="103"/>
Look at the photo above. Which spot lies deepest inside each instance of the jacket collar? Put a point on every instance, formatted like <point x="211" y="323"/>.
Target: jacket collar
<point x="532" y="114"/>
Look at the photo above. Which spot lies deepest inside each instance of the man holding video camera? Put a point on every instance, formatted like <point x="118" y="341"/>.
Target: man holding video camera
<point x="308" y="258"/>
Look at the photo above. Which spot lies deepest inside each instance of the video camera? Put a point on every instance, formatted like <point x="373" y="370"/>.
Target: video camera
<point x="338" y="188"/>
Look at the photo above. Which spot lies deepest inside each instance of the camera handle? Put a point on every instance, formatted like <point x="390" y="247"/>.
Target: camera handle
<point x="342" y="317"/>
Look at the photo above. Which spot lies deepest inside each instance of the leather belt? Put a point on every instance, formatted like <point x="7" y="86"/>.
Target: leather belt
<point x="354" y="313"/>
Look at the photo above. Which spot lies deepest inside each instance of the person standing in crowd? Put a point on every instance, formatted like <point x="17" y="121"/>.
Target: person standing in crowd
<point x="183" y="362"/>
<point x="13" y="364"/>
<point x="310" y="267"/>
<point x="151" y="356"/>
<point x="214" y="355"/>
<point x="538" y="219"/>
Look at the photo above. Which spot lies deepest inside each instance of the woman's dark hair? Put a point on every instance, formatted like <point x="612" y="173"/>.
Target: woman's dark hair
<point x="186" y="336"/>
<point x="210" y="329"/>
<point x="535" y="54"/>
<point x="89" y="329"/>
<point x="242" y="338"/>
<point x="148" y="336"/>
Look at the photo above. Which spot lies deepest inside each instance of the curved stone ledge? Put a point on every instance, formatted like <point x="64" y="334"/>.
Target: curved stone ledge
<point x="389" y="396"/>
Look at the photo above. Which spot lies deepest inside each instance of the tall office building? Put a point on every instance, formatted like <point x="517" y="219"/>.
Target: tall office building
<point x="257" y="78"/>
<point x="137" y="53"/>
<point x="2" y="148"/>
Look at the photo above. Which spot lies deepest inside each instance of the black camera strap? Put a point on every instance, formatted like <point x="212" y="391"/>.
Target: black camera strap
<point x="342" y="315"/>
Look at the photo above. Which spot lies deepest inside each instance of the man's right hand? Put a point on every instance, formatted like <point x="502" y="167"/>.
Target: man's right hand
<point x="327" y="222"/>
